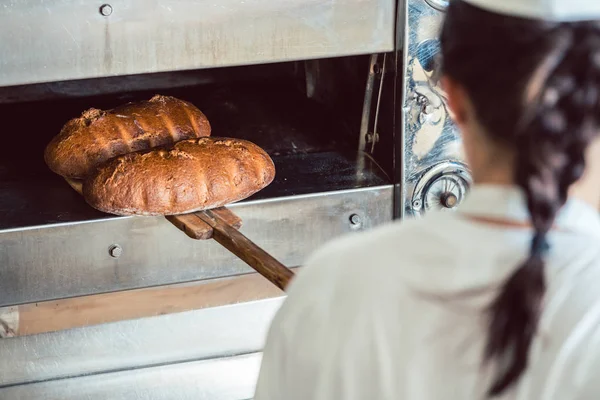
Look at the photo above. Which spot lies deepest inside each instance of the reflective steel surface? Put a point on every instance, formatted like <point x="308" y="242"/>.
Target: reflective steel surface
<point x="431" y="140"/>
<point x="64" y="260"/>
<point x="442" y="187"/>
<point x="56" y="40"/>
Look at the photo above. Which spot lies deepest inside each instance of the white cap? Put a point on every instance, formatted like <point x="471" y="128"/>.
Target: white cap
<point x="550" y="10"/>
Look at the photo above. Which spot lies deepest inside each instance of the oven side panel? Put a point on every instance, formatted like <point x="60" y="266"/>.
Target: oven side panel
<point x="433" y="171"/>
<point x="83" y="39"/>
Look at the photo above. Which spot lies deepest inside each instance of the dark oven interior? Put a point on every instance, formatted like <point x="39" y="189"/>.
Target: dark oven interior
<point x="315" y="118"/>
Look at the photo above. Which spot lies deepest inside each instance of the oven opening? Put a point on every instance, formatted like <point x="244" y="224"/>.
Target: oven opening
<point x="308" y="115"/>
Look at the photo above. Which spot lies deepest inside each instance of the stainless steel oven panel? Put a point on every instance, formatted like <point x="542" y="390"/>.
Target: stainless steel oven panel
<point x="232" y="378"/>
<point x="433" y="171"/>
<point x="76" y="259"/>
<point x="206" y="334"/>
<point x="58" y="40"/>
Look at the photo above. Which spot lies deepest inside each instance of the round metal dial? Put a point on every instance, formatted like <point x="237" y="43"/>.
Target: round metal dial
<point x="444" y="193"/>
<point x="443" y="187"/>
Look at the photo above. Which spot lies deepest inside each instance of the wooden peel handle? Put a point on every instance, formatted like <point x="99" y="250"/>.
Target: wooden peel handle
<point x="193" y="226"/>
<point x="246" y="250"/>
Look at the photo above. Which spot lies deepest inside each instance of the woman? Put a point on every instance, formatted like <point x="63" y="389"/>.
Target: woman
<point x="502" y="298"/>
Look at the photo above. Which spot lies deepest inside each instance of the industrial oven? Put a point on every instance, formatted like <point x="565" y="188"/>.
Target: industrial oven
<point x="341" y="93"/>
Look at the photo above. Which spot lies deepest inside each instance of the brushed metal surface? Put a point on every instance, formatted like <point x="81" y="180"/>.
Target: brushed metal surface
<point x="54" y="40"/>
<point x="430" y="136"/>
<point x="231" y="378"/>
<point x="65" y="260"/>
<point x="189" y="336"/>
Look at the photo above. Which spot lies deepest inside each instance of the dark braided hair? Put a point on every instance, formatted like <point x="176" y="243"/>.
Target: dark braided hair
<point x="535" y="89"/>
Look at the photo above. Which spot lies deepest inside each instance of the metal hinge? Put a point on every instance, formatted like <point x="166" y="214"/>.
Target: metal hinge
<point x="373" y="91"/>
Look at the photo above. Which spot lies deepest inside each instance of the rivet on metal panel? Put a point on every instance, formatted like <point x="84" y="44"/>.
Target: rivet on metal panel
<point x="355" y="221"/>
<point x="416" y="204"/>
<point x="106" y="10"/>
<point x="115" y="251"/>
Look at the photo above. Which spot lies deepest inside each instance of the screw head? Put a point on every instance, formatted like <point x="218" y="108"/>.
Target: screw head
<point x="355" y="221"/>
<point x="106" y="10"/>
<point x="416" y="204"/>
<point x="115" y="251"/>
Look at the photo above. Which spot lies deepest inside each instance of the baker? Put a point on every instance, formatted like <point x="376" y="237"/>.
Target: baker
<point x="501" y="298"/>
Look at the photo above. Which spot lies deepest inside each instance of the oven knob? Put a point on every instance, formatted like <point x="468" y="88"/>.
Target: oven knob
<point x="448" y="200"/>
<point x="441" y="187"/>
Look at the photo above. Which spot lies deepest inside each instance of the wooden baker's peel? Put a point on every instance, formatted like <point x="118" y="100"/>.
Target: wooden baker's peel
<point x="222" y="225"/>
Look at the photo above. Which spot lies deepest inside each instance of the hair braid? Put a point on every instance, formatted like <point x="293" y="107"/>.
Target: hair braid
<point x="545" y="105"/>
<point x="550" y="158"/>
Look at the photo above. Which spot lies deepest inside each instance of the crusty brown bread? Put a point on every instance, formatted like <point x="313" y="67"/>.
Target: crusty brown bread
<point x="97" y="136"/>
<point x="192" y="175"/>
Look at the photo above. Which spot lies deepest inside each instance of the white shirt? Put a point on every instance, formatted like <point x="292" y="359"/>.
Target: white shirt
<point x="397" y="312"/>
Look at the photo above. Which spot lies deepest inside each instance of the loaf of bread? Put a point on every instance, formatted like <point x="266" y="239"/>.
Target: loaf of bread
<point x="86" y="142"/>
<point x="192" y="175"/>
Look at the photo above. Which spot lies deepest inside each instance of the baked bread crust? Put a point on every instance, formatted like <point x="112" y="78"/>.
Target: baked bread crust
<point x="192" y="175"/>
<point x="86" y="142"/>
